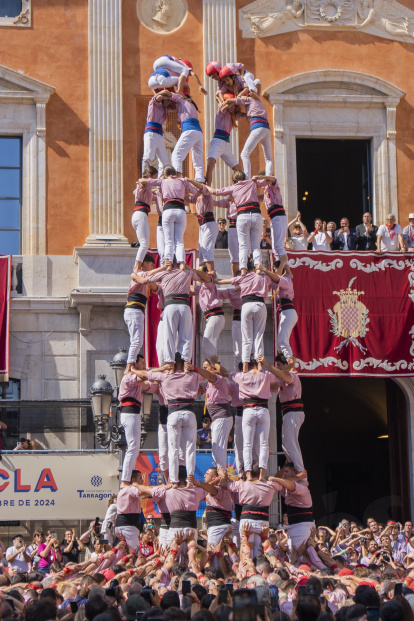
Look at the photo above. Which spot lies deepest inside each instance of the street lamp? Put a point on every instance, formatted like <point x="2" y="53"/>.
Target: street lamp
<point x="101" y="400"/>
<point x="118" y="364"/>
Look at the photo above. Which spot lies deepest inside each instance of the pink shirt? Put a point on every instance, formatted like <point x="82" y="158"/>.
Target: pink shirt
<point x="236" y="402"/>
<point x="156" y="111"/>
<point x="173" y="187"/>
<point x="243" y="192"/>
<point x="208" y="295"/>
<point x="253" y="284"/>
<point x="253" y="106"/>
<point x="218" y="391"/>
<point x="223" y="499"/>
<point x="272" y="195"/>
<point x="204" y="202"/>
<point x="224" y="121"/>
<point x="178" y="385"/>
<point x="301" y="497"/>
<point x="232" y="295"/>
<point x="257" y="493"/>
<point x="135" y="287"/>
<point x="253" y="384"/>
<point x="161" y="300"/>
<point x="127" y="500"/>
<point x="158" y="201"/>
<point x="143" y="194"/>
<point x="185" y="108"/>
<point x="174" y="282"/>
<point x="181" y="498"/>
<point x="130" y="387"/>
<point x="286" y="287"/>
<point x="288" y="392"/>
<point x="156" y="389"/>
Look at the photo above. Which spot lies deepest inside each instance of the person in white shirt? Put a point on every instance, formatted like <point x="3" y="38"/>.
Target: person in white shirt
<point x="321" y="238"/>
<point x="408" y="234"/>
<point x="390" y="236"/>
<point x="18" y="555"/>
<point x="298" y="234"/>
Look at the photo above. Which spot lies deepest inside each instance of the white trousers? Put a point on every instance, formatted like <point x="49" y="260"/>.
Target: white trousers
<point x="298" y="534"/>
<point x="181" y="426"/>
<point x="212" y="330"/>
<point x="178" y="321"/>
<point x="130" y="534"/>
<point x="132" y="427"/>
<point x="154" y="147"/>
<point x="256" y="421"/>
<point x="238" y="444"/>
<point x="160" y="244"/>
<point x="160" y="342"/>
<point x="190" y="140"/>
<point x="163" y="62"/>
<point x="134" y="319"/>
<point x="140" y="223"/>
<point x="174" y="222"/>
<point x="164" y="538"/>
<point x="249" y="232"/>
<point x="220" y="148"/>
<point x="287" y="321"/>
<point x="278" y="229"/>
<point x="220" y="429"/>
<point x="292" y="422"/>
<point x="236" y="334"/>
<point x="253" y="324"/>
<point x="262" y="136"/>
<point x="207" y="236"/>
<point x="163" y="448"/>
<point x="254" y="538"/>
<point x="233" y="244"/>
<point x="215" y="534"/>
<point x="235" y="531"/>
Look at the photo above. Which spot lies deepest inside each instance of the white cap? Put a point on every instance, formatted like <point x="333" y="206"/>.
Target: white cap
<point x="411" y="216"/>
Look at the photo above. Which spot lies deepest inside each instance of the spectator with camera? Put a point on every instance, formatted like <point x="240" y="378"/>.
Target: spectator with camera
<point x="49" y="552"/>
<point x="18" y="555"/>
<point x="71" y="547"/>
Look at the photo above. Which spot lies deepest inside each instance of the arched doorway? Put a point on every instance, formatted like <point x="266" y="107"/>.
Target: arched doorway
<point x="355" y="447"/>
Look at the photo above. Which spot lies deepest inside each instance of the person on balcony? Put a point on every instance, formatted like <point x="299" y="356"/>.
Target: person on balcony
<point x="345" y="238"/>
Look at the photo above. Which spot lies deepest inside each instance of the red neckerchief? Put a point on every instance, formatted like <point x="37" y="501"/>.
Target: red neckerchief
<point x="391" y="231"/>
<point x="411" y="233"/>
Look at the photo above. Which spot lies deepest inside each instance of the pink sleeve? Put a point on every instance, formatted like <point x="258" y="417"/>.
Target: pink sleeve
<point x="158" y="492"/>
<point x="192" y="199"/>
<point x="154" y="182"/>
<point x="133" y="491"/>
<point x="197" y="289"/>
<point x="156" y="376"/>
<point x="224" y="294"/>
<point x="261" y="183"/>
<point x="225" y="191"/>
<point x="155" y="277"/>
<point x="236" y="280"/>
<point x="233" y="486"/>
<point x="176" y="98"/>
<point x="189" y="188"/>
<point x="276" y="486"/>
<point x="205" y="191"/>
<point x="153" y="388"/>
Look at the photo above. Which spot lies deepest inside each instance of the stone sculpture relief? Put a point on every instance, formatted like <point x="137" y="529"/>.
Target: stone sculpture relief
<point x="162" y="16"/>
<point x="384" y="18"/>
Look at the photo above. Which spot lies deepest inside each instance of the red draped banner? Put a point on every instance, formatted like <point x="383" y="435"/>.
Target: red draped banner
<point x="356" y="314"/>
<point x="5" y="281"/>
<point x="153" y="314"/>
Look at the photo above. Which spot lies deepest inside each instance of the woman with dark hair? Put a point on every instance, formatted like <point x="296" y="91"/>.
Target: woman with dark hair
<point x="49" y="552"/>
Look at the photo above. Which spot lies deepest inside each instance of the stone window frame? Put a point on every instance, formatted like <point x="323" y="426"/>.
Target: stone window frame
<point x="331" y="91"/>
<point x="23" y="113"/>
<point x="23" y="20"/>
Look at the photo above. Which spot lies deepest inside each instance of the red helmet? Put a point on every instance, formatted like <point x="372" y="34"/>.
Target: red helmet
<point x="228" y="96"/>
<point x="186" y="62"/>
<point x="225" y="72"/>
<point x="213" y="67"/>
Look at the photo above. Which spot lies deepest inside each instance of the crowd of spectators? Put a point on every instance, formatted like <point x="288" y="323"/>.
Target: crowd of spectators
<point x="388" y="237"/>
<point x="362" y="572"/>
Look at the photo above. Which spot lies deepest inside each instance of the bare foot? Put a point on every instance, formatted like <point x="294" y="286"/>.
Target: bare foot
<point x="243" y="271"/>
<point x="249" y="476"/>
<point x="245" y="367"/>
<point x="128" y="368"/>
<point x="174" y="485"/>
<point x="283" y="260"/>
<point x="182" y="265"/>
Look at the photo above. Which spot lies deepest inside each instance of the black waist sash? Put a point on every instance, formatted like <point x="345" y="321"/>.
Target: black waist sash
<point x="203" y="218"/>
<point x="232" y="224"/>
<point x="127" y="519"/>
<point x="129" y="405"/>
<point x="276" y="210"/>
<point x="254" y="402"/>
<point x="253" y="512"/>
<point x="163" y="410"/>
<point x="217" y="517"/>
<point x="173" y="203"/>
<point x="237" y="511"/>
<point x="177" y="298"/>
<point x="239" y="410"/>
<point x="136" y="300"/>
<point x="178" y="405"/>
<point x="236" y="314"/>
<point x="296" y="515"/>
<point x="251" y="207"/>
<point x="212" y="312"/>
<point x="183" y="519"/>
<point x="141" y="206"/>
<point x="295" y="405"/>
<point x="165" y="520"/>
<point x="285" y="304"/>
<point x="252" y="298"/>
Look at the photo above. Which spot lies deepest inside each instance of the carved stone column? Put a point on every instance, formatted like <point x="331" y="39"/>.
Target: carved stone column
<point x="219" y="43"/>
<point x="105" y="121"/>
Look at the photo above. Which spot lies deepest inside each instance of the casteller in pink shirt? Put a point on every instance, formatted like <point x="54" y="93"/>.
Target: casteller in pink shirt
<point x="254" y="383"/>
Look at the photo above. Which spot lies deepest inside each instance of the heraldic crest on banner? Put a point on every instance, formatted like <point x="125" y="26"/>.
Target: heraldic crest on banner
<point x="349" y="318"/>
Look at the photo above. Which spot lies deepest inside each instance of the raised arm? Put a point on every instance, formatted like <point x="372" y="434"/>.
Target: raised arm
<point x="285" y="483"/>
<point x="284" y="377"/>
<point x="200" y="274"/>
<point x="210" y="489"/>
<point x="268" y="178"/>
<point x="272" y="275"/>
<point x="210" y="377"/>
<point x="196" y="184"/>
<point x="164" y="94"/>
<point x="139" y="279"/>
